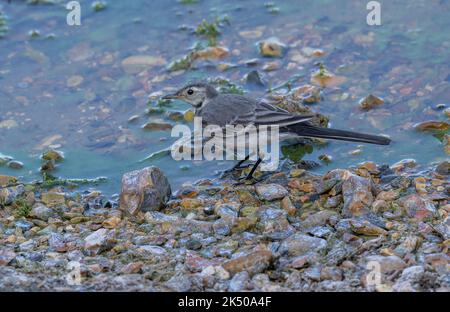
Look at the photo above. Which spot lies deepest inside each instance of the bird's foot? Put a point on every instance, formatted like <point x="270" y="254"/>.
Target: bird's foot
<point x="250" y="179"/>
<point x="227" y="172"/>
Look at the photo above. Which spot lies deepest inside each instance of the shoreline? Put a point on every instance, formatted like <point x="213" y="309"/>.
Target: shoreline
<point x="293" y="231"/>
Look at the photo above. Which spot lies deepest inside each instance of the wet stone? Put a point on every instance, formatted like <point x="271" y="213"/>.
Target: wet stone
<point x="271" y="47"/>
<point x="432" y="125"/>
<point x="370" y="101"/>
<point x="254" y="78"/>
<point x="14" y="164"/>
<point x="443" y="168"/>
<point x="157" y="126"/>
<point x="53" y="155"/>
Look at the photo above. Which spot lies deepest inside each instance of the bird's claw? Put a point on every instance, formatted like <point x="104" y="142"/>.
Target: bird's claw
<point x="224" y="173"/>
<point x="249" y="180"/>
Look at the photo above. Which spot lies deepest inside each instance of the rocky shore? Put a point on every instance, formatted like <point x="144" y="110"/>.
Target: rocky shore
<point x="368" y="228"/>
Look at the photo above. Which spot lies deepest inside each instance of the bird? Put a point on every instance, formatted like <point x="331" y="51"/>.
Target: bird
<point x="224" y="109"/>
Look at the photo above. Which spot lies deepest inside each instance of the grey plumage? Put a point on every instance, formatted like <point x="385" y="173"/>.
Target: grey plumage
<point x="223" y="109"/>
<point x="234" y="109"/>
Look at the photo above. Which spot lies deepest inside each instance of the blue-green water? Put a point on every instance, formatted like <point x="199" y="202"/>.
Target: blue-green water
<point x="406" y="61"/>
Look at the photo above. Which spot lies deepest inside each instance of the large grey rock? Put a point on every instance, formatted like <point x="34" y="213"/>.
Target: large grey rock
<point x="144" y="190"/>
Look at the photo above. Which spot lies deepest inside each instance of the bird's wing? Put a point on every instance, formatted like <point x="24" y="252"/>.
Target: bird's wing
<point x="241" y="110"/>
<point x="267" y="114"/>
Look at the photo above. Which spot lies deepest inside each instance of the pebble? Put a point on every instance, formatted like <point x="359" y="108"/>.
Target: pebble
<point x="271" y="191"/>
<point x="14" y="164"/>
<point x="370" y="101"/>
<point x="41" y="212"/>
<point x="271" y="47"/>
<point x="387" y="264"/>
<point x="137" y="63"/>
<point x="300" y="244"/>
<point x="432" y="125"/>
<point x="53" y="199"/>
<point x="98" y="241"/>
<point x="253" y="263"/>
<point x="417" y="207"/>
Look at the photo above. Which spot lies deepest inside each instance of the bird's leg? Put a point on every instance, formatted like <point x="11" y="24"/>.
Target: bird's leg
<point x="250" y="175"/>
<point x="238" y="165"/>
<point x="255" y="166"/>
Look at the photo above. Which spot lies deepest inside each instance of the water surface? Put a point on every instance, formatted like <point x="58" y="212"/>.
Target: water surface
<point x="406" y="61"/>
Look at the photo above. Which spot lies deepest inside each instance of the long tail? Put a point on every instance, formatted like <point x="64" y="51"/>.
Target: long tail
<point x="307" y="130"/>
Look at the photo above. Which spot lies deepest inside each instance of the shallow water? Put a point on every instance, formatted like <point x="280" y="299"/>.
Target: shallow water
<point x="406" y="61"/>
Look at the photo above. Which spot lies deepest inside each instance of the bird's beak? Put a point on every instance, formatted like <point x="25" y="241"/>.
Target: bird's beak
<point x="171" y="96"/>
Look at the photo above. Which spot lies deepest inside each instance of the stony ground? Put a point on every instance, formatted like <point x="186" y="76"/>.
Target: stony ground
<point x="293" y="231"/>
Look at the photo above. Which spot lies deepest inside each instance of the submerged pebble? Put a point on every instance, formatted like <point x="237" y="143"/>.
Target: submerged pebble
<point x="14" y="164"/>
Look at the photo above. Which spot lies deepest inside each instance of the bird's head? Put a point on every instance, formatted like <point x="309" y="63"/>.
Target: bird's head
<point x="195" y="94"/>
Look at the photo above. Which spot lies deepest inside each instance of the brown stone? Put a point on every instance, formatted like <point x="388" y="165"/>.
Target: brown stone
<point x="417" y="207"/>
<point x="7" y="180"/>
<point x="432" y="125"/>
<point x="356" y="190"/>
<point x="366" y="228"/>
<point x="287" y="205"/>
<point x="132" y="268"/>
<point x="254" y="262"/>
<point x="211" y="53"/>
<point x="6" y="256"/>
<point x="144" y="190"/>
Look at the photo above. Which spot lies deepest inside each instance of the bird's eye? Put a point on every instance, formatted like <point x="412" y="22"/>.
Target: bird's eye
<point x="190" y="91"/>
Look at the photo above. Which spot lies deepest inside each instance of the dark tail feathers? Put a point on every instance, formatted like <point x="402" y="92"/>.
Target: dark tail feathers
<point x="306" y="130"/>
